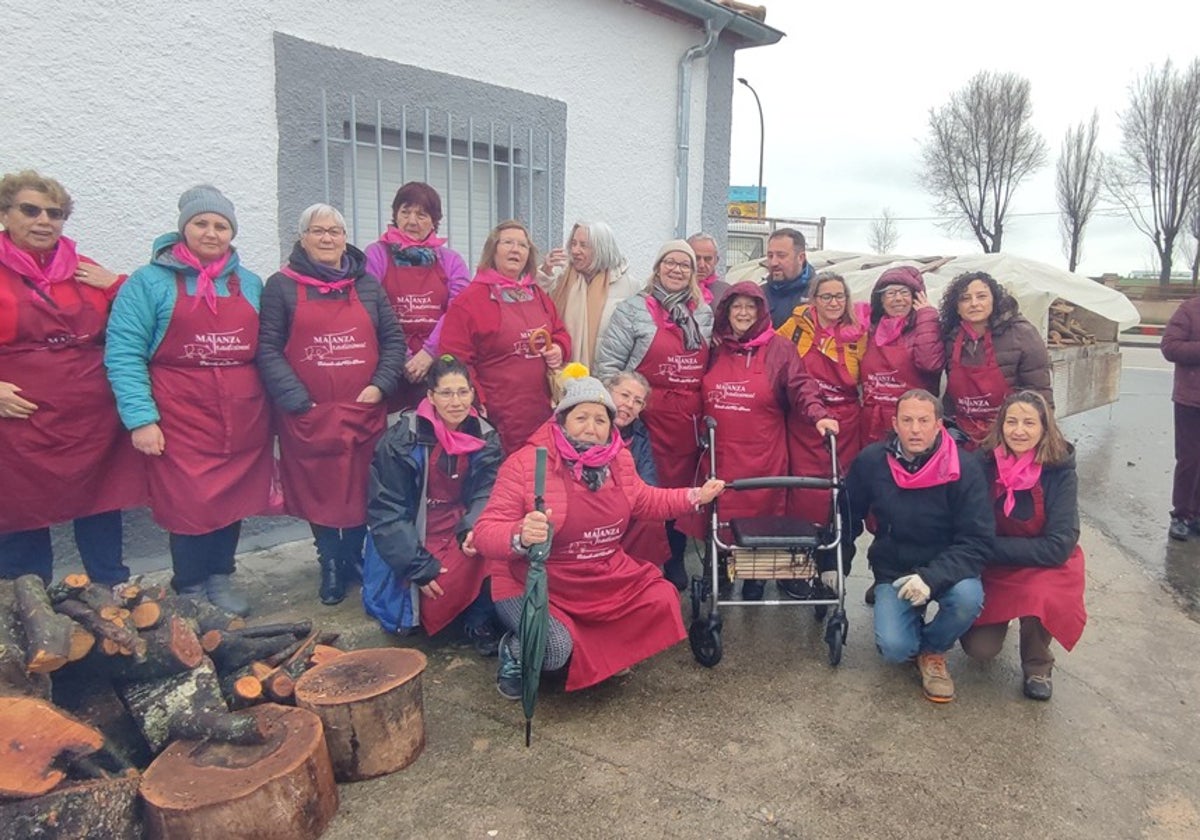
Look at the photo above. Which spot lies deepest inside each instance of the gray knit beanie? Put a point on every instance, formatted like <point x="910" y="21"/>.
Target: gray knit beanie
<point x="205" y="198"/>
<point x="585" y="389"/>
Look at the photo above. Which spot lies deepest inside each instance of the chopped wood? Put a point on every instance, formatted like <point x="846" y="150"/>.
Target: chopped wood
<point x="36" y="733"/>
<point x="279" y="686"/>
<point x="146" y="614"/>
<point x="82" y="642"/>
<point x="324" y="653"/>
<point x="88" y="694"/>
<point x="222" y="727"/>
<point x="248" y="688"/>
<point x="122" y="636"/>
<point x="110" y="648"/>
<point x="47" y="634"/>
<point x="67" y="587"/>
<point x="371" y="704"/>
<point x="169" y="648"/>
<point x="295" y="628"/>
<point x="105" y="808"/>
<point x="155" y="592"/>
<point x="281" y="789"/>
<point x="14" y="678"/>
<point x="203" y="615"/>
<point x="231" y="651"/>
<point x="97" y="597"/>
<point x="260" y="670"/>
<point x="156" y="703"/>
<point x="128" y="594"/>
<point x="110" y="612"/>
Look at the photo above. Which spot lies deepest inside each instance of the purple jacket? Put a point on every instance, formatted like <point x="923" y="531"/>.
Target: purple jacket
<point x="457" y="278"/>
<point x="1181" y="345"/>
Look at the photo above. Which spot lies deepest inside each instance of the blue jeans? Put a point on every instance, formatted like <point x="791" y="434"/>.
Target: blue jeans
<point x="900" y="629"/>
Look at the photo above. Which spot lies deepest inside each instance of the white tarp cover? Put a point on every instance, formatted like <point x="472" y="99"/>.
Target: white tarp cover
<point x="1034" y="284"/>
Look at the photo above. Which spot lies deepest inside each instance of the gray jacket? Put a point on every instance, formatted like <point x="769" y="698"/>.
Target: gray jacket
<point x="632" y="328"/>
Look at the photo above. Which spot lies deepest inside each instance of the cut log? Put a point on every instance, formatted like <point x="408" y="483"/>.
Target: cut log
<point x="156" y="703"/>
<point x="123" y="637"/>
<point x="231" y="651"/>
<point x="223" y="727"/>
<point x="14" y="678"/>
<point x="82" y="642"/>
<point x="88" y="694"/>
<point x="298" y="629"/>
<point x="96" y="596"/>
<point x="282" y="789"/>
<point x="128" y="594"/>
<point x="203" y="615"/>
<point x="323" y="653"/>
<point x="247" y="690"/>
<point x="170" y="648"/>
<point x="371" y="704"/>
<point x="280" y="687"/>
<point x="36" y="733"/>
<point x="47" y="634"/>
<point x="105" y="808"/>
<point x="145" y="615"/>
<point x="68" y="587"/>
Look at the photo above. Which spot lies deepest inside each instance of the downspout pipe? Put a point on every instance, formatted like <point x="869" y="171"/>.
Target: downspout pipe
<point x="714" y="22"/>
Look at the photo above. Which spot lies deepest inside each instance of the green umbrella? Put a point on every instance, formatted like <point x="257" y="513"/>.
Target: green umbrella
<point x="535" y="608"/>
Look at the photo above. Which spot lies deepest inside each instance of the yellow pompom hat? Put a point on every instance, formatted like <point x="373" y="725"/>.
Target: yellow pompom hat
<point x="578" y="387"/>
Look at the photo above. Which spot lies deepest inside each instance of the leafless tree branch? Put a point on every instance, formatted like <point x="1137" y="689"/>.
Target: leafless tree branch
<point x="884" y="234"/>
<point x="1077" y="185"/>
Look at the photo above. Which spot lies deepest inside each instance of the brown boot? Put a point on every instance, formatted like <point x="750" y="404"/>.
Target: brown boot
<point x="935" y="679"/>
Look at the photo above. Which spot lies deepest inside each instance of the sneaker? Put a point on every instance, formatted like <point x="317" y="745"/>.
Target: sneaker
<point x="797" y="589"/>
<point x="752" y="590"/>
<point x="1179" y="529"/>
<point x="508" y="675"/>
<point x="1038" y="687"/>
<point x="483" y="638"/>
<point x="222" y="594"/>
<point x="935" y="679"/>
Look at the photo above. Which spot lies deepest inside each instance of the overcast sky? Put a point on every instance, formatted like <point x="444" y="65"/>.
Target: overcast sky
<point x="846" y="96"/>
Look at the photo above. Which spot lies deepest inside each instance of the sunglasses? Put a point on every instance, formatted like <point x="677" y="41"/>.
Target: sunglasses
<point x="32" y="211"/>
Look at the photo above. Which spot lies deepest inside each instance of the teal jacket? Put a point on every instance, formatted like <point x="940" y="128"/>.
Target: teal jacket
<point x="139" y="320"/>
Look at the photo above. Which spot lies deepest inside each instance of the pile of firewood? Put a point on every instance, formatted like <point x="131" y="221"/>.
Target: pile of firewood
<point x="1065" y="329"/>
<point x="130" y="669"/>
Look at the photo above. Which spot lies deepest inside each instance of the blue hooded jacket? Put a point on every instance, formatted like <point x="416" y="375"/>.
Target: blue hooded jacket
<point x="140" y="316"/>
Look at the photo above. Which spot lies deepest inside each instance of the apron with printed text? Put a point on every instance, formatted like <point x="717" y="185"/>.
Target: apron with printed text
<point x="419" y="296"/>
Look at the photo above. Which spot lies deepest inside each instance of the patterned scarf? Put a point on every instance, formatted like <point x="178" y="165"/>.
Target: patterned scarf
<point x="588" y="461"/>
<point x="676" y="305"/>
<point x="407" y="251"/>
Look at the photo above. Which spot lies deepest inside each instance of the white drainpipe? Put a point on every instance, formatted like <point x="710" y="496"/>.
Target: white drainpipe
<point x="715" y="20"/>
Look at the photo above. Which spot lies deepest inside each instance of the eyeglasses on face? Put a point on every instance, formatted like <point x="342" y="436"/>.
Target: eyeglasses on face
<point x="321" y="232"/>
<point x="830" y="297"/>
<point x="675" y="265"/>
<point x="513" y="243"/>
<point x="897" y="293"/>
<point x="449" y="394"/>
<point x="32" y="211"/>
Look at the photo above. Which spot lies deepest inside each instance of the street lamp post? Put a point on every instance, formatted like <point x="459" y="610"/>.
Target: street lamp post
<point x="762" y="138"/>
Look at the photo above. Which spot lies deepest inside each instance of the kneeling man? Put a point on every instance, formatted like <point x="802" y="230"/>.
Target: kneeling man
<point x="927" y="504"/>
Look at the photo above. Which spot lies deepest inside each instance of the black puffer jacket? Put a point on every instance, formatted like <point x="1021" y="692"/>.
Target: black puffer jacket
<point x="1060" y="494"/>
<point x="943" y="533"/>
<point x="394" y="496"/>
<point x="275" y="328"/>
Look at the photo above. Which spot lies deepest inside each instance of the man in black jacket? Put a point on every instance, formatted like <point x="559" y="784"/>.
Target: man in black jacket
<point x="933" y="526"/>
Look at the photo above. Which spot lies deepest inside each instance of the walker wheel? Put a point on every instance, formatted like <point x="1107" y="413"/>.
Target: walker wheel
<point x="705" y="639"/>
<point x="836" y="629"/>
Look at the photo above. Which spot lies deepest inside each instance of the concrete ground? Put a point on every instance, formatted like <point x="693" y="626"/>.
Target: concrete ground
<point x="773" y="742"/>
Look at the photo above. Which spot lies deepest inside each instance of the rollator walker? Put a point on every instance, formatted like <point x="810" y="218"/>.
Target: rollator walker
<point x="770" y="548"/>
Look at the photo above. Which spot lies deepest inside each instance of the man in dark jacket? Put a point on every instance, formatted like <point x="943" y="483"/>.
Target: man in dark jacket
<point x="933" y="526"/>
<point x="1181" y="345"/>
<point x="788" y="274"/>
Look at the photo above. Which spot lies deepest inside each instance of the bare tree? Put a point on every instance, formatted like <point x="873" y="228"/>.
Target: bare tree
<point x="980" y="147"/>
<point x="1077" y="185"/>
<point x="1194" y="230"/>
<point x="884" y="234"/>
<point x="1157" y="175"/>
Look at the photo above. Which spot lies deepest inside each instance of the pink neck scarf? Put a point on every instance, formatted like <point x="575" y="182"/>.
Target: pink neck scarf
<point x="969" y="329"/>
<point x="1015" y="473"/>
<point x="843" y="333"/>
<point x="760" y="339"/>
<point x="889" y="329"/>
<point x="492" y="277"/>
<point x="941" y="468"/>
<point x="206" y="286"/>
<point x="61" y="265"/>
<point x="322" y="286"/>
<point x="453" y="442"/>
<point x="599" y="455"/>
<point x="706" y="286"/>
<point x="395" y="236"/>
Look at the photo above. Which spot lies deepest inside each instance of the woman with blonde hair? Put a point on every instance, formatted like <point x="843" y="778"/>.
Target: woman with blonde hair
<point x="1036" y="573"/>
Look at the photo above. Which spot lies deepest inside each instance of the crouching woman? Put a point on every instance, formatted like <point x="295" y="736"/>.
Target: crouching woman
<point x="608" y="611"/>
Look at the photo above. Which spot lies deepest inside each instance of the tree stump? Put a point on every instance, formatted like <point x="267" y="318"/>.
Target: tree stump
<point x="99" y="808"/>
<point x="283" y="788"/>
<point x="14" y="678"/>
<point x="155" y="703"/>
<point x="370" y="702"/>
<point x="36" y="736"/>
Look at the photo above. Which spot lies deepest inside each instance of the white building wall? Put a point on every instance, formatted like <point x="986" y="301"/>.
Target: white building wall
<point x="129" y="102"/>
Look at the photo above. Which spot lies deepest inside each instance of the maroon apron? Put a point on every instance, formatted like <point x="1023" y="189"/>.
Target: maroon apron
<point x="807" y="454"/>
<point x="673" y="411"/>
<point x="419" y="296"/>
<point x="1052" y="595"/>
<point x="217" y="461"/>
<point x="740" y="396"/>
<point x="976" y="392"/>
<point x="887" y="373"/>
<point x="325" y="453"/>
<point x="618" y="610"/>
<point x="512" y="374"/>
<point x="71" y="457"/>
<point x="463" y="576"/>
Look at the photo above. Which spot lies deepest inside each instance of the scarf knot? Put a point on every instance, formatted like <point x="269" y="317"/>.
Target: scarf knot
<point x="588" y="462"/>
<point x="453" y="442"/>
<point x="206" y="275"/>
<point x="941" y="467"/>
<point x="59" y="267"/>
<point x="1014" y="472"/>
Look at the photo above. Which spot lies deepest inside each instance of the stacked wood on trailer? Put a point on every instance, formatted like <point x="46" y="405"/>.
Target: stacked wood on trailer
<point x="1065" y="329"/>
<point x="132" y="669"/>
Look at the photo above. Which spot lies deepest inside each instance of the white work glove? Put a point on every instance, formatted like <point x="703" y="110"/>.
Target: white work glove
<point x="912" y="589"/>
<point x="830" y="580"/>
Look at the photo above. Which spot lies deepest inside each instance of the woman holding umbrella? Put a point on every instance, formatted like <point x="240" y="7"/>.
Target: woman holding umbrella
<point x="607" y="611"/>
<point x="330" y="351"/>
